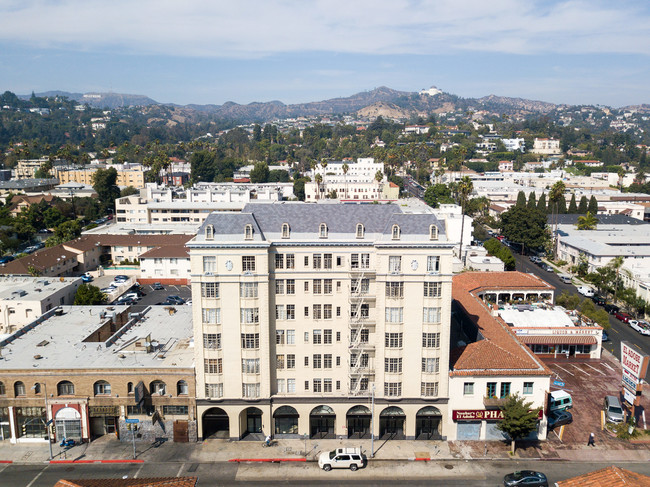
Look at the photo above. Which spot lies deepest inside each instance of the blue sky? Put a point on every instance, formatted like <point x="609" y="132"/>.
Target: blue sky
<point x="191" y="51"/>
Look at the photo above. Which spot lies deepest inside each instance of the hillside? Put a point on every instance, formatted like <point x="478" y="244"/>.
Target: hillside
<point x="100" y="100"/>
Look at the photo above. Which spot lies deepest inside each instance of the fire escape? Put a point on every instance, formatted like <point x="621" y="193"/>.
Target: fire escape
<point x="361" y="364"/>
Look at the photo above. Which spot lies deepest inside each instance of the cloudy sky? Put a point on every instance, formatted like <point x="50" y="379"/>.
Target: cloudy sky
<point x="192" y="51"/>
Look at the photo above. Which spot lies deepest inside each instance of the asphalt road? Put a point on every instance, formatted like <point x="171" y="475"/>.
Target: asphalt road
<point x="618" y="332"/>
<point x="476" y="473"/>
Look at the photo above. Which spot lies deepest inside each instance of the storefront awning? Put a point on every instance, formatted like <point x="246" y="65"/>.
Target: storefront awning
<point x="558" y="339"/>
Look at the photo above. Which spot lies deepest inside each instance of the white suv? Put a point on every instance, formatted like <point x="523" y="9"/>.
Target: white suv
<point x="351" y="458"/>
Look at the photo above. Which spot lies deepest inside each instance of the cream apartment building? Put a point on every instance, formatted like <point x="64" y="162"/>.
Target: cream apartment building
<point x="303" y="312"/>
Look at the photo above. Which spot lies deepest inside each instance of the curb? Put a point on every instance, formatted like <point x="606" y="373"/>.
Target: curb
<point x="96" y="461"/>
<point x="6" y="461"/>
<point x="271" y="460"/>
<point x="419" y="459"/>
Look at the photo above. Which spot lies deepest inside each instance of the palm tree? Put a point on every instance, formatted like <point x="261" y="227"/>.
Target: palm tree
<point x="319" y="179"/>
<point x="587" y="222"/>
<point x="465" y="188"/>
<point x="345" y="168"/>
<point x="557" y="192"/>
<point x="616" y="264"/>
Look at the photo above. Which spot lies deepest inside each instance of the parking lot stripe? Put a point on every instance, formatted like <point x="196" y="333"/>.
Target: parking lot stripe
<point x="594" y="368"/>
<point x="579" y="369"/>
<point x="560" y="367"/>
<point x="606" y="365"/>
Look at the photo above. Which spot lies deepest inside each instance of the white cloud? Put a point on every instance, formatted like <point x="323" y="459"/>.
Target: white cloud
<point x="249" y="28"/>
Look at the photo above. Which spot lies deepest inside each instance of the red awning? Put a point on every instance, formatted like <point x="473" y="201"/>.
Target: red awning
<point x="558" y="339"/>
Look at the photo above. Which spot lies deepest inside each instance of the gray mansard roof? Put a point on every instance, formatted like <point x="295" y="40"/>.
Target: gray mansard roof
<point x="304" y="221"/>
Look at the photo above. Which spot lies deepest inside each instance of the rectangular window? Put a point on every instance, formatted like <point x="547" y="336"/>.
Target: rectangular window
<point x="505" y="389"/>
<point x="327" y="261"/>
<point x="280" y="313"/>
<point x="316" y="361"/>
<point x="318" y="385"/>
<point x="363" y="335"/>
<point x="491" y="389"/>
<point x="468" y="389"/>
<point x="291" y="361"/>
<point x="360" y="311"/>
<point x="327" y="336"/>
<point x="317" y="337"/>
<point x="431" y="315"/>
<point x="211" y="316"/>
<point x="338" y="361"/>
<point x="249" y="315"/>
<point x="393" y="340"/>
<point x="327" y="385"/>
<point x="327" y="311"/>
<point x="279" y="362"/>
<point x="327" y="361"/>
<point x="290" y="261"/>
<point x="432" y="289"/>
<point x="316" y="261"/>
<point x="212" y="341"/>
<point x="339" y="261"/>
<point x="317" y="287"/>
<point x="209" y="263"/>
<point x="279" y="286"/>
<point x="214" y="390"/>
<point x="359" y="261"/>
<point x="279" y="261"/>
<point x="250" y="340"/>
<point x="392" y="389"/>
<point x="431" y="365"/>
<point x="306" y="261"/>
<point x="433" y="263"/>
<point x="317" y="311"/>
<point x="394" y="315"/>
<point x="280" y="386"/>
<point x="394" y="289"/>
<point x="250" y="365"/>
<point x="248" y="263"/>
<point x="212" y="366"/>
<point x="250" y="390"/>
<point x="291" y="286"/>
<point x="430" y="340"/>
<point x="306" y="286"/>
<point x="248" y="290"/>
<point x="306" y="337"/>
<point x="360" y="286"/>
<point x="395" y="263"/>
<point x="279" y="337"/>
<point x="327" y="286"/>
<point x="209" y="289"/>
<point x="393" y="365"/>
<point x="291" y="337"/>
<point x="429" y="389"/>
<point x="291" y="386"/>
<point x="338" y="335"/>
<point x="291" y="311"/>
<point x="528" y="388"/>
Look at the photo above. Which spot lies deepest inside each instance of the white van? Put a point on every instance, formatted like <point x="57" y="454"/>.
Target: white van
<point x="560" y="401"/>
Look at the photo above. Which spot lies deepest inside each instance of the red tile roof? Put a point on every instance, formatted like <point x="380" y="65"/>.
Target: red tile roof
<point x="142" y="482"/>
<point x="39" y="260"/>
<point x="607" y="477"/>
<point x="499" y="352"/>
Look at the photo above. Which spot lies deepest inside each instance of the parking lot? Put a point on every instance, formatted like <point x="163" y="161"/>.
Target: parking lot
<point x="153" y="297"/>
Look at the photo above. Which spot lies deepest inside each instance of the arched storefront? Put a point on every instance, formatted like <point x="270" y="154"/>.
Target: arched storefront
<point x="322" y="422"/>
<point x="358" y="422"/>
<point x="391" y="423"/>
<point x="285" y="420"/>
<point x="427" y="424"/>
<point x="68" y="424"/>
<point x="252" y="421"/>
<point x="216" y="424"/>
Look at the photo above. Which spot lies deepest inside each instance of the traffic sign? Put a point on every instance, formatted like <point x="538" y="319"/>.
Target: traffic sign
<point x="558" y="383"/>
<point x="132" y="420"/>
<point x="49" y="422"/>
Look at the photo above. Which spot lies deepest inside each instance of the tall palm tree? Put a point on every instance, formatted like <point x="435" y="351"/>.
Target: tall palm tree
<point x="345" y="168"/>
<point x="616" y="264"/>
<point x="319" y="179"/>
<point x="465" y="188"/>
<point x="587" y="222"/>
<point x="557" y="192"/>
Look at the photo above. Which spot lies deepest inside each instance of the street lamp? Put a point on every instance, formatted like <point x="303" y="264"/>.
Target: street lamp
<point x="47" y="422"/>
<point x="372" y="423"/>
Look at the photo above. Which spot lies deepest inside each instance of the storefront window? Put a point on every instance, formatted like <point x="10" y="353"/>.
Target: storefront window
<point x="31" y="422"/>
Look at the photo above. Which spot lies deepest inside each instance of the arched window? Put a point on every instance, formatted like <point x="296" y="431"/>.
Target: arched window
<point x="248" y="232"/>
<point x="433" y="232"/>
<point x="322" y="230"/>
<point x="285" y="230"/>
<point x="129" y="388"/>
<point x="157" y="387"/>
<point x="360" y="230"/>
<point x="209" y="232"/>
<point x="3" y="391"/>
<point x="19" y="388"/>
<point x="182" y="388"/>
<point x="37" y="388"/>
<point x="395" y="232"/>
<point x="102" y="388"/>
<point x="65" y="388"/>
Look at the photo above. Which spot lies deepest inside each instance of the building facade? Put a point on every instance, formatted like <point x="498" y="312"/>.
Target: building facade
<point x="303" y="313"/>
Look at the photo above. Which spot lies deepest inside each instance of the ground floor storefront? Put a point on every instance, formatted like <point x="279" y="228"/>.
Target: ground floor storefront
<point x="326" y="420"/>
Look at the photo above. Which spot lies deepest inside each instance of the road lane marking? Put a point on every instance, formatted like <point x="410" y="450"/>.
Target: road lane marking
<point x="37" y="476"/>
<point x="560" y="367"/>
<point x="138" y="472"/>
<point x="178" y="474"/>
<point x="615" y="330"/>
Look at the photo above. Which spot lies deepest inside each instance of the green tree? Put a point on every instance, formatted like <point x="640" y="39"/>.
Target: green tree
<point x="66" y="231"/>
<point x="128" y="191"/>
<point x="583" y="207"/>
<point x="495" y="248"/>
<point x="260" y="173"/>
<point x="525" y="226"/>
<point x="593" y="205"/>
<point x="438" y="194"/>
<point x="203" y="166"/>
<point x="587" y="222"/>
<point x="519" y="419"/>
<point x="541" y="204"/>
<point x="465" y="188"/>
<point x="567" y="300"/>
<point x="532" y="201"/>
<point x="105" y="185"/>
<point x="573" y="205"/>
<point x="299" y="188"/>
<point x="88" y="295"/>
<point x="521" y="199"/>
<point x="278" y="176"/>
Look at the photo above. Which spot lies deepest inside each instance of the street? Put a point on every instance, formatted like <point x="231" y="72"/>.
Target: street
<point x="449" y="472"/>
<point x="618" y="332"/>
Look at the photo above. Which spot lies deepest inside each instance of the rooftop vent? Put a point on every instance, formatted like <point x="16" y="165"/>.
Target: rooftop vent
<point x="19" y="293"/>
<point x="38" y="357"/>
<point x="43" y="343"/>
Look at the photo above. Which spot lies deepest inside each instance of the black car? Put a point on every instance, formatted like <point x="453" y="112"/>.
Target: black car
<point x="611" y="308"/>
<point x="559" y="418"/>
<point x="599" y="300"/>
<point x="157" y="286"/>
<point x="6" y="259"/>
<point x="527" y="478"/>
<point x="175" y="300"/>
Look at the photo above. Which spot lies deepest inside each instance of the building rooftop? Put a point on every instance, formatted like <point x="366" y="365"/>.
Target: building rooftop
<point x="527" y="316"/>
<point x="178" y="251"/>
<point x="132" y="482"/>
<point x="607" y="477"/>
<point x="24" y="288"/>
<point x="81" y="337"/>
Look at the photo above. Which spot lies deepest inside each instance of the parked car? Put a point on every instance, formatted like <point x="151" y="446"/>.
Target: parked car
<point x="611" y="308"/>
<point x="527" y="478"/>
<point x="108" y="290"/>
<point x="86" y="278"/>
<point x="547" y="268"/>
<point x="613" y="409"/>
<point x="126" y="301"/>
<point x="535" y="260"/>
<point x="175" y="299"/>
<point x="121" y="278"/>
<point x="157" y="286"/>
<point x="6" y="259"/>
<point x="640" y="326"/>
<point x="351" y="458"/>
<point x="133" y="296"/>
<point x="586" y="291"/>
<point x="605" y="336"/>
<point x="599" y="300"/>
<point x="624" y="317"/>
<point x="559" y="418"/>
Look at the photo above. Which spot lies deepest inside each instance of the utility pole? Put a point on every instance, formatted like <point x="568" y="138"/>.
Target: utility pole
<point x="372" y="423"/>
